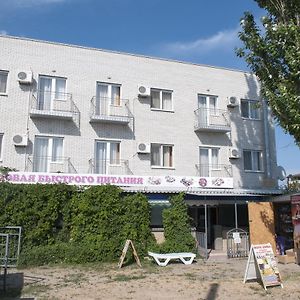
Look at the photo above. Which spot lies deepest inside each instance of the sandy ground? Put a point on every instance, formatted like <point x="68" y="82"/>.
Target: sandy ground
<point x="201" y="280"/>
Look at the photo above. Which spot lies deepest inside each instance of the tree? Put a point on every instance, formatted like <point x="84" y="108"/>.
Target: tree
<point x="272" y="51"/>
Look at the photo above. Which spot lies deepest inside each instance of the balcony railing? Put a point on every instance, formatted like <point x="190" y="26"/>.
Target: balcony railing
<point x="53" y="105"/>
<point x="110" y="110"/>
<point x="217" y="170"/>
<point x="213" y="120"/>
<point x="49" y="164"/>
<point x="110" y="167"/>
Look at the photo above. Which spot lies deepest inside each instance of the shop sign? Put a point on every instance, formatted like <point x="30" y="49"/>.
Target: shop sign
<point x="120" y="180"/>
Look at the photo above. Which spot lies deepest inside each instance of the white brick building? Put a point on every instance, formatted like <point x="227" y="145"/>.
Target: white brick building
<point x="82" y="113"/>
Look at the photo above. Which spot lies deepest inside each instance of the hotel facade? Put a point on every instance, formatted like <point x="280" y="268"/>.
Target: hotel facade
<point x="158" y="126"/>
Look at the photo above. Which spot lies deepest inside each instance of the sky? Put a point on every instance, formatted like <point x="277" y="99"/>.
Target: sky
<point x="199" y="31"/>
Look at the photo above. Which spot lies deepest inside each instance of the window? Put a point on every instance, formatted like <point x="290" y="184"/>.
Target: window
<point x="3" y="82"/>
<point x="51" y="89"/>
<point x="1" y="147"/>
<point x="107" y="95"/>
<point x="162" y="155"/>
<point x="252" y="160"/>
<point x="161" y="99"/>
<point x="106" y="153"/>
<point x="208" y="161"/>
<point x="47" y="150"/>
<point x="250" y="109"/>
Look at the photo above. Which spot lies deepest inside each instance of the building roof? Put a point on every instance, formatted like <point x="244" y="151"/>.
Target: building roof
<point x="122" y="53"/>
<point x="205" y="192"/>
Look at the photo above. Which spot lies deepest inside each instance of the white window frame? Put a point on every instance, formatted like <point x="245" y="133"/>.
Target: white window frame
<point x="109" y="92"/>
<point x="210" y="160"/>
<point x="161" y="157"/>
<point x="161" y="108"/>
<point x="108" y="153"/>
<point x="249" y="103"/>
<point x="1" y="146"/>
<point x="53" y="89"/>
<point x="6" y="86"/>
<point x="49" y="156"/>
<point x="253" y="160"/>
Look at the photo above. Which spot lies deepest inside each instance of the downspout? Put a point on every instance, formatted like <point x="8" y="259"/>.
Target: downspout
<point x="267" y="137"/>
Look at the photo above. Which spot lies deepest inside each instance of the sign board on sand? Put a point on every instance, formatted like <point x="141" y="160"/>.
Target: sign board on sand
<point x="262" y="265"/>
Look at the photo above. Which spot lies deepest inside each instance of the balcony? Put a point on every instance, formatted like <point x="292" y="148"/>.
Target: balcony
<point x="109" y="110"/>
<point x="218" y="170"/>
<point x="53" y="105"/>
<point x="212" y="120"/>
<point x="109" y="167"/>
<point x="49" y="165"/>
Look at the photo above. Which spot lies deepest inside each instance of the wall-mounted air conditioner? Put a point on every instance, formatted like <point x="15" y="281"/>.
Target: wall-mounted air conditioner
<point x="232" y="102"/>
<point x="56" y="167"/>
<point x="143" y="148"/>
<point x="144" y="91"/>
<point x="234" y="153"/>
<point x="20" y="140"/>
<point x="24" y="77"/>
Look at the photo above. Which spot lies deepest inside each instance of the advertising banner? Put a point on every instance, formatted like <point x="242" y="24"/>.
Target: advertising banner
<point x="262" y="264"/>
<point x="120" y="180"/>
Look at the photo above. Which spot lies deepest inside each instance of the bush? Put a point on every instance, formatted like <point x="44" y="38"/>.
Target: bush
<point x="41" y="210"/>
<point x="177" y="227"/>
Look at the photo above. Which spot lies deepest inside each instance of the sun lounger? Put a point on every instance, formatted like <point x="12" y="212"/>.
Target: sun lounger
<point x="163" y="259"/>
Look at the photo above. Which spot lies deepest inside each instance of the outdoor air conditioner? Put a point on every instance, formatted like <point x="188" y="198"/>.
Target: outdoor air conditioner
<point x="20" y="140"/>
<point x="143" y="148"/>
<point x="144" y="91"/>
<point x="232" y="101"/>
<point x="24" y="77"/>
<point x="234" y="153"/>
<point x="56" y="167"/>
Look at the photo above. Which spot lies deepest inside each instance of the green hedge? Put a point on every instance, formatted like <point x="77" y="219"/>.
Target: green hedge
<point x="62" y="224"/>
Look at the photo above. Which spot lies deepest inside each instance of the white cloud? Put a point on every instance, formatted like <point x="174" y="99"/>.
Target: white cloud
<point x="222" y="40"/>
<point x="3" y="32"/>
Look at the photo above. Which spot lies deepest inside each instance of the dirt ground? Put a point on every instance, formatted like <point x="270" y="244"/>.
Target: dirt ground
<point x="202" y="280"/>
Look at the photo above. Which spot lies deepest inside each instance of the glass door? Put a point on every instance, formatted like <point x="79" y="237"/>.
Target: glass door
<point x="204" y="162"/>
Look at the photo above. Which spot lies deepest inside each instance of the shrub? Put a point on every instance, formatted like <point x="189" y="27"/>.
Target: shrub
<point x="177" y="227"/>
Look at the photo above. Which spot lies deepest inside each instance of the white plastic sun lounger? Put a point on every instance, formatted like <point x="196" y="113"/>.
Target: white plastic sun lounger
<point x="163" y="259"/>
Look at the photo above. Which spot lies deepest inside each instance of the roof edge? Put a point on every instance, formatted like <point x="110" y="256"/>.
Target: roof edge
<point x="124" y="53"/>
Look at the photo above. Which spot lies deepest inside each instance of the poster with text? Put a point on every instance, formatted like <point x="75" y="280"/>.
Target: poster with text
<point x="267" y="265"/>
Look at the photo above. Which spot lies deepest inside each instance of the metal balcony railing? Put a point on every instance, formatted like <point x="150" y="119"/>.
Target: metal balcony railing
<point x="49" y="164"/>
<point x="217" y="170"/>
<point x="53" y="104"/>
<point x="208" y="119"/>
<point x="111" y="110"/>
<point x="109" y="167"/>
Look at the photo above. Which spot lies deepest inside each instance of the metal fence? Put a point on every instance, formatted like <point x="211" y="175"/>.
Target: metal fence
<point x="237" y="243"/>
<point x="10" y="241"/>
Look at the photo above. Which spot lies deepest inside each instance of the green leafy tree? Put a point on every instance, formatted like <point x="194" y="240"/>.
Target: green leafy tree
<point x="272" y="51"/>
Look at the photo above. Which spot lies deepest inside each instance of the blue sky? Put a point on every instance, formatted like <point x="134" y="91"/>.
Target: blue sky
<point x="198" y="31"/>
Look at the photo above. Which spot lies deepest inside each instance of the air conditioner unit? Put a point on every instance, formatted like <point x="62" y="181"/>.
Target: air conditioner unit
<point x="143" y="148"/>
<point x="24" y="77"/>
<point x="144" y="91"/>
<point x="56" y="167"/>
<point x="20" y="140"/>
<point x="232" y="101"/>
<point x="234" y="153"/>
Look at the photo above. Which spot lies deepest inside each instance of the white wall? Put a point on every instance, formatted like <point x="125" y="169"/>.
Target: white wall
<point x="83" y="67"/>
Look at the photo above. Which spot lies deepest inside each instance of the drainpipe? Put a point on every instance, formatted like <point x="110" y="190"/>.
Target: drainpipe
<point x="267" y="137"/>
